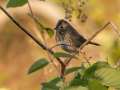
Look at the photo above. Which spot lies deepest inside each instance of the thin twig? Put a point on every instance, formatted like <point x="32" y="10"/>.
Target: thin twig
<point x="101" y="29"/>
<point x="69" y="59"/>
<point x="30" y="8"/>
<point x="115" y="28"/>
<point x="33" y="17"/>
<point x="93" y="36"/>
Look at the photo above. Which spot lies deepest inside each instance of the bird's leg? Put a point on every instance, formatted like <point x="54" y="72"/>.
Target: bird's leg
<point x="59" y="44"/>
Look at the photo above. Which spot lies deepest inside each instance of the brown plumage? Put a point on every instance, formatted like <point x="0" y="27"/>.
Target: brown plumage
<point x="70" y="39"/>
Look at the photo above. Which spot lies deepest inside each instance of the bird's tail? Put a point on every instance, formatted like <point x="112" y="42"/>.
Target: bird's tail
<point x="93" y="43"/>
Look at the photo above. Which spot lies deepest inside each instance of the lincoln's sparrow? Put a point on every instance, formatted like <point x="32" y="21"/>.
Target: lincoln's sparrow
<point x="70" y="40"/>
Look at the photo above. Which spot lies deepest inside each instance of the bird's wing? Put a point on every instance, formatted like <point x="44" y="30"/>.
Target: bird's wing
<point x="57" y="37"/>
<point x="70" y="44"/>
<point x="69" y="41"/>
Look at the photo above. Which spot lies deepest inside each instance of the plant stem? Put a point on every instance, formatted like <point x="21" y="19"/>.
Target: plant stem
<point x="33" y="38"/>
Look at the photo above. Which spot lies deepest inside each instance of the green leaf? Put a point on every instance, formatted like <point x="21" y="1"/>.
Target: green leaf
<point x="90" y="72"/>
<point x="37" y="21"/>
<point x="16" y="3"/>
<point x="55" y="80"/>
<point x="101" y="64"/>
<point x="78" y="81"/>
<point x="52" y="84"/>
<point x="39" y="64"/>
<point x="49" y="86"/>
<point x="109" y="77"/>
<point x="72" y="69"/>
<point x="41" y="27"/>
<point x="77" y="88"/>
<point x="49" y="31"/>
<point x="114" y="52"/>
<point x="61" y="54"/>
<point x="96" y="85"/>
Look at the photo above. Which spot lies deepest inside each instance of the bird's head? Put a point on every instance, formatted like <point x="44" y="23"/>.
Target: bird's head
<point x="61" y="25"/>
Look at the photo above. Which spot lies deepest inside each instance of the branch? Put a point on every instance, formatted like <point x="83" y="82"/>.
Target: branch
<point x="94" y="35"/>
<point x="31" y="36"/>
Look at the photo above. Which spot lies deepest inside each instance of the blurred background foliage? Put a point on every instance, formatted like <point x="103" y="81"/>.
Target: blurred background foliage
<point x="18" y="51"/>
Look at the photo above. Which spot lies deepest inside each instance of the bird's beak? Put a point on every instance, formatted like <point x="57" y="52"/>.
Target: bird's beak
<point x="55" y="28"/>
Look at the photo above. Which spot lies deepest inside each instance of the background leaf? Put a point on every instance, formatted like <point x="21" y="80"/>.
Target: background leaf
<point x="72" y="69"/>
<point x="49" y="86"/>
<point x="77" y="88"/>
<point x="90" y="72"/>
<point x="78" y="81"/>
<point x="109" y="77"/>
<point x="55" y="80"/>
<point x="39" y="64"/>
<point x="42" y="27"/>
<point x="16" y="3"/>
<point x="49" y="31"/>
<point x="96" y="85"/>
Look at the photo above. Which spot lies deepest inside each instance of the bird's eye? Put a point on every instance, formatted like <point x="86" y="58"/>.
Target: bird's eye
<point x="61" y="27"/>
